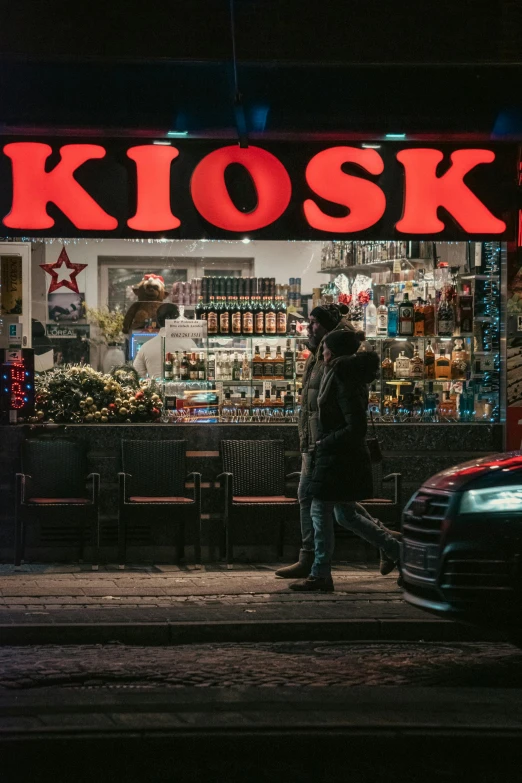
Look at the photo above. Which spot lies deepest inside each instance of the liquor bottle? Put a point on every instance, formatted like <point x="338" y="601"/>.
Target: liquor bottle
<point x="245" y="368"/>
<point x="442" y="366"/>
<point x="393" y="317"/>
<point x="416" y="365"/>
<point x="168" y="373"/>
<point x="429" y="318"/>
<point x="224" y="315"/>
<point x="270" y="316"/>
<point x="448" y="406"/>
<point x="382" y="319"/>
<point x="212" y="310"/>
<point x="371" y="318"/>
<point x="201" y="311"/>
<point x="175" y="367"/>
<point x="274" y="399"/>
<point x="289" y="362"/>
<point x="184" y="367"/>
<point x="279" y="365"/>
<point x="445" y="317"/>
<point x="402" y="366"/>
<point x="418" y="318"/>
<point x="267" y="405"/>
<point x="235" y="310"/>
<point x="259" y="313"/>
<point x="268" y="364"/>
<point x="211" y="367"/>
<point x="418" y="404"/>
<point x="465" y="313"/>
<point x="302" y="356"/>
<point x="256" y="401"/>
<point x="459" y="364"/>
<point x="201" y="367"/>
<point x="257" y="365"/>
<point x="193" y="367"/>
<point x="288" y="401"/>
<point x="431" y="402"/>
<point x="226" y="367"/>
<point x="387" y="367"/>
<point x="247" y="309"/>
<point x="406" y="317"/>
<point x="236" y="369"/>
<point x="281" y="319"/>
<point x="429" y="362"/>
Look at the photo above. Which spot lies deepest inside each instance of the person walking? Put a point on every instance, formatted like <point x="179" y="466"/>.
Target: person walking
<point x="341" y="470"/>
<point x="323" y="320"/>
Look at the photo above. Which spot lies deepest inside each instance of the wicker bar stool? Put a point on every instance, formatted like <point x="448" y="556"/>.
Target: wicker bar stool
<point x="253" y="484"/>
<point x="51" y="497"/>
<point x="153" y="483"/>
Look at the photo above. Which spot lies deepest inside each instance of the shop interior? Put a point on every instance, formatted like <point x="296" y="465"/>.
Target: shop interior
<point x="430" y="309"/>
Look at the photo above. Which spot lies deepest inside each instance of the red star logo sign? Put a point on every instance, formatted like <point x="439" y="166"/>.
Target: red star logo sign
<point x="59" y="275"/>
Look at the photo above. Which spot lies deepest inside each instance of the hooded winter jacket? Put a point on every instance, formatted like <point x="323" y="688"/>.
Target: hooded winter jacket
<point x="312" y="377"/>
<point x="342" y="466"/>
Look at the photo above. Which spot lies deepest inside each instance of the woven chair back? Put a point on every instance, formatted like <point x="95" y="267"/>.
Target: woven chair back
<point x="156" y="468"/>
<point x="258" y="466"/>
<point x="58" y="467"/>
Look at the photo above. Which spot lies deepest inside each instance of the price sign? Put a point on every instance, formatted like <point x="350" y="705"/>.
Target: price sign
<point x="185" y="330"/>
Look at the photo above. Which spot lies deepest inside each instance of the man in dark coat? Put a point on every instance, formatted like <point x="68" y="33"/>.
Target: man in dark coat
<point x="323" y="320"/>
<point x="342" y="469"/>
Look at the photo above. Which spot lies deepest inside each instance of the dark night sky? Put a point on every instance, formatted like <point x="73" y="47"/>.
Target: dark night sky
<point x="328" y="31"/>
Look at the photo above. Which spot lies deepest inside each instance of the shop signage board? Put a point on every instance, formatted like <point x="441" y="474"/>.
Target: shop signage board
<point x="195" y="189"/>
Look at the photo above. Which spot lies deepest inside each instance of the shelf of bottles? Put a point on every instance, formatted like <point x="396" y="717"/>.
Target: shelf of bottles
<point x="235" y="379"/>
<point x="436" y="330"/>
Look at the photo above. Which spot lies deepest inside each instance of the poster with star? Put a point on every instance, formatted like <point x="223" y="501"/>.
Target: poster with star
<point x="63" y="273"/>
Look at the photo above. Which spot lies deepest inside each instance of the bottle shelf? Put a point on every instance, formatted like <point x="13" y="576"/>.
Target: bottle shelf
<point x="355" y="268"/>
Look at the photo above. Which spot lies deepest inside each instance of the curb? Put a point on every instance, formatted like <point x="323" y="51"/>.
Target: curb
<point x="169" y="633"/>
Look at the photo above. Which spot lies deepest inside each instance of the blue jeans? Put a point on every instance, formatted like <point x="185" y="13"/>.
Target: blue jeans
<point x="353" y="517"/>
<point x="305" y="504"/>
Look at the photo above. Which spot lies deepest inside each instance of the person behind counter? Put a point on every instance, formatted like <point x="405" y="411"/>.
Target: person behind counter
<point x="149" y="359"/>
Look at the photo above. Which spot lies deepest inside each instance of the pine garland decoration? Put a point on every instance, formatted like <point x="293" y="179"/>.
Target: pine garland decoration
<point x="78" y="394"/>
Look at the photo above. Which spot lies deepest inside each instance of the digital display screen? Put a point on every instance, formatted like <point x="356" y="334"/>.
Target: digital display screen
<point x="17" y="385"/>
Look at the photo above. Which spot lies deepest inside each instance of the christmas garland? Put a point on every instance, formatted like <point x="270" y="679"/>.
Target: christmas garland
<point x="77" y="394"/>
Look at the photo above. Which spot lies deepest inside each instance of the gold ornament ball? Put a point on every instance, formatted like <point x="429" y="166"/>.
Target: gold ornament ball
<point x="106" y="389"/>
<point x="132" y="409"/>
<point x="104" y="411"/>
<point x="89" y="417"/>
<point x="154" y="397"/>
<point x="142" y="408"/>
<point x="82" y="403"/>
<point x="89" y="401"/>
<point x="40" y="414"/>
<point x="32" y="420"/>
<point x="104" y="419"/>
<point x="132" y="400"/>
<point x="97" y="415"/>
<point x="117" y="401"/>
<point x="123" y="411"/>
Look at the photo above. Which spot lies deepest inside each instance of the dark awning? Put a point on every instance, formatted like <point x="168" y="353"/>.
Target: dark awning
<point x="279" y="100"/>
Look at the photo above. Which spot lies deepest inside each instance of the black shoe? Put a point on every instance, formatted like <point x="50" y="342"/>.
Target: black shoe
<point x="314" y="584"/>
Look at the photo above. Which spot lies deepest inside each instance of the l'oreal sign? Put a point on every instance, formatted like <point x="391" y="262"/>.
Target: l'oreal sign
<point x="285" y="190"/>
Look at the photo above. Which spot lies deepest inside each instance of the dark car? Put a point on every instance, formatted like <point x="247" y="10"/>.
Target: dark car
<point x="462" y="543"/>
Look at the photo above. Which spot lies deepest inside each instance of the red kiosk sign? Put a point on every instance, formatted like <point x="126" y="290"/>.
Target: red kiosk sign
<point x="339" y="191"/>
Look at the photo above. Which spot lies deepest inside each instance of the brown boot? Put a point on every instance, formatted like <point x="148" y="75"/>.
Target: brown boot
<point x="299" y="570"/>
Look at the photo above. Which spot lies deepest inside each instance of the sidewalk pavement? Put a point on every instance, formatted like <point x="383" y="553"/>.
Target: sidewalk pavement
<point x="167" y="604"/>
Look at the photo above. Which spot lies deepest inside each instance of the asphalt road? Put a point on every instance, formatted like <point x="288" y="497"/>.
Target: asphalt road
<point x="284" y="664"/>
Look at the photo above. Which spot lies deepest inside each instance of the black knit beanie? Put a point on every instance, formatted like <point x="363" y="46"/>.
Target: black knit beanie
<point x="328" y="315"/>
<point x="344" y="343"/>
